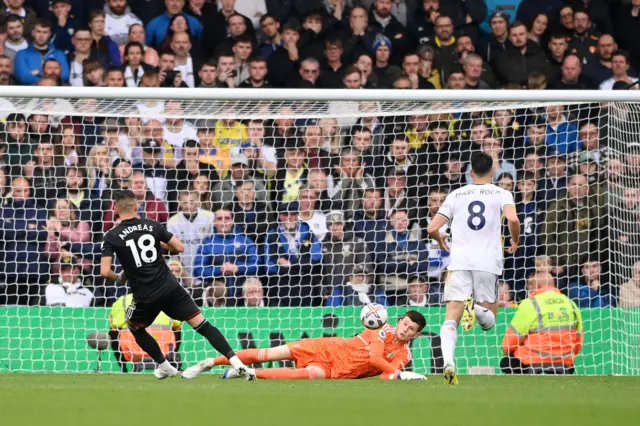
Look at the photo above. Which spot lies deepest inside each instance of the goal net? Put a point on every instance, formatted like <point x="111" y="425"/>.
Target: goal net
<point x="296" y="208"/>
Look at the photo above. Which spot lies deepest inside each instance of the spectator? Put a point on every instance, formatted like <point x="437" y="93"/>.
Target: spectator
<point x="253" y="217"/>
<point x="557" y="47"/>
<point x="98" y="169"/>
<point x="157" y="29"/>
<point x="350" y="181"/>
<point x="628" y="29"/>
<point x="81" y="42"/>
<point x="175" y="132"/>
<point x="52" y="70"/>
<point x="566" y="21"/>
<point x="272" y="40"/>
<point x="137" y="34"/>
<point x="360" y="39"/>
<point x="17" y="7"/>
<point x="590" y="140"/>
<point x="452" y="176"/>
<point x="15" y="40"/>
<point x="118" y="21"/>
<point x="22" y="229"/>
<point x="420" y="293"/>
<point x="227" y="254"/>
<point x="421" y="28"/>
<point x="28" y="62"/>
<point x="384" y="72"/>
<point x="64" y="226"/>
<point x="102" y="44"/>
<point x="64" y="25"/>
<point x="370" y="222"/>
<point x="529" y="351"/>
<point x="223" y="191"/>
<point x="149" y="206"/>
<point x="531" y="214"/>
<point x="282" y="63"/>
<point x="562" y="135"/>
<point x="208" y="75"/>
<point x="538" y="29"/>
<point x="76" y="193"/>
<point x="333" y="70"/>
<point x="493" y="147"/>
<point x="134" y="67"/>
<point x="435" y="199"/>
<point x="237" y="27"/>
<point x="457" y="79"/>
<point x="68" y="291"/>
<point x="498" y="39"/>
<point x="215" y="295"/>
<point x="292" y="259"/>
<point x="202" y="185"/>
<point x="257" y="74"/>
<point x="555" y="180"/>
<point x="584" y="40"/>
<point x="154" y="170"/>
<point x="473" y="71"/>
<point x="342" y="253"/>
<point x="571" y="77"/>
<point x="505" y="298"/>
<point x="620" y="69"/>
<point x="115" y="78"/>
<point x="253" y="293"/>
<point x="399" y="255"/>
<point x="588" y="291"/>
<point x="411" y="69"/>
<point x="382" y="21"/>
<point x="572" y="225"/>
<point x="191" y="225"/>
<point x="630" y="291"/>
<point x="47" y="176"/>
<point x="293" y="175"/>
<point x="18" y="144"/>
<point x="601" y="70"/>
<point x="521" y="58"/>
<point x="445" y="47"/>
<point x="316" y="220"/>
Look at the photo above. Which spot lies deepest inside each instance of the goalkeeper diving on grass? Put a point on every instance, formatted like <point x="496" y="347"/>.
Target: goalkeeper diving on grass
<point x="383" y="352"/>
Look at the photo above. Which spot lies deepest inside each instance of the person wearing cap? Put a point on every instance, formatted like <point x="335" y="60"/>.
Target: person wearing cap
<point x="223" y="191"/>
<point x="292" y="260"/>
<point x="227" y="255"/>
<point x="66" y="289"/>
<point x="64" y="24"/>
<point x="342" y="254"/>
<point x="496" y="44"/>
<point x="383" y="70"/>
<point x="154" y="171"/>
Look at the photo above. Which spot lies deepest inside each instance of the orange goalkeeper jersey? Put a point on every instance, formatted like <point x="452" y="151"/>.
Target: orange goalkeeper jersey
<point x="370" y="353"/>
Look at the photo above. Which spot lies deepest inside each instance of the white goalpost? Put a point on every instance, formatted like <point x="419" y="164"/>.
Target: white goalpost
<point x="329" y="193"/>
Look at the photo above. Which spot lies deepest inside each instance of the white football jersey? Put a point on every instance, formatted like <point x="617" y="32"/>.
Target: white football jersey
<point x="475" y="215"/>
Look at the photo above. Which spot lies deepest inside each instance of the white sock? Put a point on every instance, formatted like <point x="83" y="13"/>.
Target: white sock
<point x="485" y="317"/>
<point x="235" y="362"/>
<point x="449" y="338"/>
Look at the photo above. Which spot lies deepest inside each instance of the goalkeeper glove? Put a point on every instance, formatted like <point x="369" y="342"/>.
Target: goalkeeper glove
<point x="408" y="375"/>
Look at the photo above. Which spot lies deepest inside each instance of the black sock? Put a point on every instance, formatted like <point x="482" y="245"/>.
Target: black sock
<point x="148" y="344"/>
<point x="217" y="340"/>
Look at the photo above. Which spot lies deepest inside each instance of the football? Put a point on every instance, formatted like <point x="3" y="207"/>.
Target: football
<point x="373" y="316"/>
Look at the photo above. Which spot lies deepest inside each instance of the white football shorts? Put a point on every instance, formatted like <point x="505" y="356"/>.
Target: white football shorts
<point x="459" y="285"/>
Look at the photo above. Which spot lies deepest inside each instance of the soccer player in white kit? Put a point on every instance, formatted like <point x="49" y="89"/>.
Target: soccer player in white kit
<point x="475" y="214"/>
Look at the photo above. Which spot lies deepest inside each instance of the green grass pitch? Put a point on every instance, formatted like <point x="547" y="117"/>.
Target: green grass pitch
<point x="103" y="399"/>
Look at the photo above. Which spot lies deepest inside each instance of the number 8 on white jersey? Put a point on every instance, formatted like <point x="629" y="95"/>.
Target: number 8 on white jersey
<point x="475" y="215"/>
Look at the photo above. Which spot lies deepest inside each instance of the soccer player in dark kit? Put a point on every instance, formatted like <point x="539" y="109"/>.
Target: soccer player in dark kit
<point x="138" y="243"/>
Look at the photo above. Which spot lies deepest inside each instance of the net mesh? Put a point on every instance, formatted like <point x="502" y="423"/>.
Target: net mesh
<point x="288" y="214"/>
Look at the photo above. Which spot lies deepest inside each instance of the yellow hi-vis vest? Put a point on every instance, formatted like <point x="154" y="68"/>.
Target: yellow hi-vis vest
<point x="117" y="317"/>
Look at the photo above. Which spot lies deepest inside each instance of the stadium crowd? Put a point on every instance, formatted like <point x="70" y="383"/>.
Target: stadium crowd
<point x="326" y="211"/>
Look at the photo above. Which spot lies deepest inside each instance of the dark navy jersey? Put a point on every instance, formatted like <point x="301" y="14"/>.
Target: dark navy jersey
<point x="136" y="243"/>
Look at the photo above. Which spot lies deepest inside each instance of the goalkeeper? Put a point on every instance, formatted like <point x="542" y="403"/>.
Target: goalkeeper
<point x="383" y="352"/>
